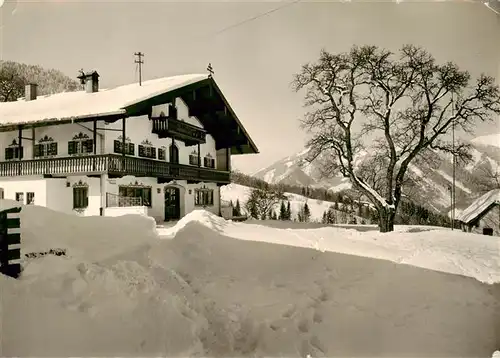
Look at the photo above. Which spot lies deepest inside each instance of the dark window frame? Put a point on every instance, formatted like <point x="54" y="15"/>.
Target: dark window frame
<point x="30" y="197"/>
<point x="203" y="197"/>
<point x="20" y="197"/>
<point x="12" y="153"/>
<point x="80" y="197"/>
<point x="147" y="151"/>
<point x="129" y="147"/>
<point x="80" y="146"/>
<point x="209" y="162"/>
<point x="42" y="150"/>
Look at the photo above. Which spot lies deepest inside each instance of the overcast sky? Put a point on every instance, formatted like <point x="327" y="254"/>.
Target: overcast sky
<point x="254" y="62"/>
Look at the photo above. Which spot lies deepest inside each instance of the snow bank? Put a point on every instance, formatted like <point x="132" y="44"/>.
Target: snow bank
<point x="202" y="217"/>
<point x="122" y="292"/>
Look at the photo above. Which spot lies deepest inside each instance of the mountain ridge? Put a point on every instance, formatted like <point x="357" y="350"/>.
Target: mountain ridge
<point x="433" y="182"/>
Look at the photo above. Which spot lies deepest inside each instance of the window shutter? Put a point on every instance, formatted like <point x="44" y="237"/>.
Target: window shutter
<point x="86" y="198"/>
<point x="9" y="153"/>
<point x="117" y="146"/>
<point x="153" y="152"/>
<point x="141" y="151"/>
<point x="37" y="150"/>
<point x="89" y="143"/>
<point x="131" y="149"/>
<point x="53" y="148"/>
<point x="71" y="147"/>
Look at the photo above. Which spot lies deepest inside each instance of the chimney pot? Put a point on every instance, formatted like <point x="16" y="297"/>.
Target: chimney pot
<point x="90" y="81"/>
<point x="30" y="92"/>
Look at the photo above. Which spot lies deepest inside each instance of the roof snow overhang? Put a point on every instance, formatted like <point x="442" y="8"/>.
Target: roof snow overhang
<point x="201" y="94"/>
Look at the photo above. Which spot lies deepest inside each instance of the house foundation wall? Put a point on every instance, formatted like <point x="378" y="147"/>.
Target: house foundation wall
<point x="57" y="194"/>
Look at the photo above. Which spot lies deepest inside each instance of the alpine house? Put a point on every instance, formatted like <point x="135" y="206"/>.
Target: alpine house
<point x="161" y="149"/>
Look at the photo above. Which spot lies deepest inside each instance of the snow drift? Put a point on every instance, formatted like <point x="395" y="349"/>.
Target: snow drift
<point x="120" y="291"/>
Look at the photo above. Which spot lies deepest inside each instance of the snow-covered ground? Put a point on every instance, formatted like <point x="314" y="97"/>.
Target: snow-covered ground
<point x="210" y="287"/>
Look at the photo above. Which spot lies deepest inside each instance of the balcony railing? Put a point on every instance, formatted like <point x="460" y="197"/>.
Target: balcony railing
<point x="168" y="127"/>
<point x="111" y="164"/>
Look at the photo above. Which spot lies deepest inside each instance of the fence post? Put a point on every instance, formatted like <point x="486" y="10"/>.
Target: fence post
<point x="6" y="239"/>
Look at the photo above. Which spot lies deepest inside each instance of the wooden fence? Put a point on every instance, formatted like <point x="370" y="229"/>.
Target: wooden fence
<point x="9" y="220"/>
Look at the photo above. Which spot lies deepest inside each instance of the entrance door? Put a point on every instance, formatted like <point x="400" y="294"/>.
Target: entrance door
<point x="174" y="154"/>
<point x="172" y="204"/>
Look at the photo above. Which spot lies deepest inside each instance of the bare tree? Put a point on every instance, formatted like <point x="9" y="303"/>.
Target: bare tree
<point x="261" y="202"/>
<point x="405" y="104"/>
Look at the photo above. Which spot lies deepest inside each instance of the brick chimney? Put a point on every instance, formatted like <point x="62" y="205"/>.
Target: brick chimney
<point x="90" y="80"/>
<point x="30" y="91"/>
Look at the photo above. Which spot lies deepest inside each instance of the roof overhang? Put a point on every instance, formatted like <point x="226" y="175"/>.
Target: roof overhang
<point x="110" y="116"/>
<point x="211" y="108"/>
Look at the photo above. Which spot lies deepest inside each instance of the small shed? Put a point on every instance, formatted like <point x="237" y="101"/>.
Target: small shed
<point x="483" y="215"/>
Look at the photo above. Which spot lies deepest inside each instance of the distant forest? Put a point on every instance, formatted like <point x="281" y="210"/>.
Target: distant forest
<point x="346" y="201"/>
<point x="14" y="76"/>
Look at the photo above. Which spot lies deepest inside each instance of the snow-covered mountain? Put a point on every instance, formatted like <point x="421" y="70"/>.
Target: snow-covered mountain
<point x="433" y="182"/>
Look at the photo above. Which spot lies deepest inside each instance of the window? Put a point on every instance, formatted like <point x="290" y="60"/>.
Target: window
<point x="146" y="151"/>
<point x="80" y="147"/>
<point x="45" y="149"/>
<point x="162" y="154"/>
<point x="209" y="162"/>
<point x="80" y="197"/>
<point x="30" y="198"/>
<point x="13" y="153"/>
<point x="141" y="193"/>
<point x="193" y="158"/>
<point x="203" y="197"/>
<point x="81" y="144"/>
<point x="20" y="197"/>
<point x="129" y="147"/>
<point x="1" y="193"/>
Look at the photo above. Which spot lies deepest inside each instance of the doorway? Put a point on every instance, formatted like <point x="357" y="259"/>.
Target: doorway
<point x="488" y="231"/>
<point x="174" y="154"/>
<point x="172" y="204"/>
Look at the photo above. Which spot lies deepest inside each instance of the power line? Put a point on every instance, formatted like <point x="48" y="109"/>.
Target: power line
<point x="243" y="22"/>
<point x="257" y="17"/>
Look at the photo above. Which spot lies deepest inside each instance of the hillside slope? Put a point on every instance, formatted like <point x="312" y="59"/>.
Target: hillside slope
<point x="433" y="181"/>
<point x="233" y="192"/>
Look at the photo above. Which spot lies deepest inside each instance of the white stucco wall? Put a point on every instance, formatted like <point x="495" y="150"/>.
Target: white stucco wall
<point x="59" y="133"/>
<point x="36" y="185"/>
<point x="157" y="209"/>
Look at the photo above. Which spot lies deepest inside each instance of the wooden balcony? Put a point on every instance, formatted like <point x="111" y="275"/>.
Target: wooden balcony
<point x="111" y="164"/>
<point x="168" y="127"/>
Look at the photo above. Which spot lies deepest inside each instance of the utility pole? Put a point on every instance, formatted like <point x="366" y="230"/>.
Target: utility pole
<point x="139" y="61"/>
<point x="453" y="149"/>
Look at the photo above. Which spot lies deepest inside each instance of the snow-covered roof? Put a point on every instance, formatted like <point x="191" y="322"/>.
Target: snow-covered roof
<point x="77" y="105"/>
<point x="478" y="207"/>
<point x="490" y="139"/>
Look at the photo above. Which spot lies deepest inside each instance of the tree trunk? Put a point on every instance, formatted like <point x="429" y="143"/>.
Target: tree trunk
<point x="386" y="220"/>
